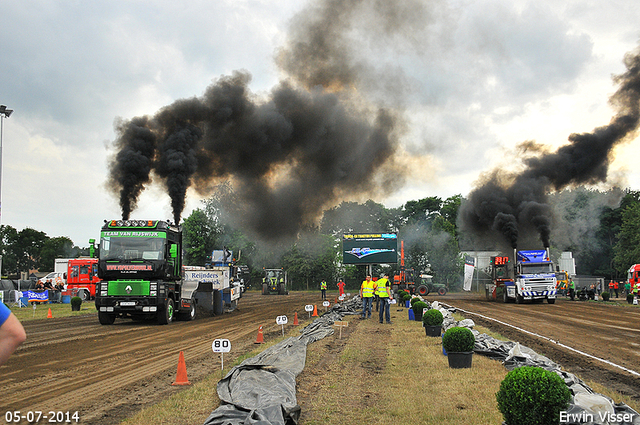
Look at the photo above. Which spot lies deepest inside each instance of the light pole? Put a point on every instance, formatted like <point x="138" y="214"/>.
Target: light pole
<point x="4" y="113"/>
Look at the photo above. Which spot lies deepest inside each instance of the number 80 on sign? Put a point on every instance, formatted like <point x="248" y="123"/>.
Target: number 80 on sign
<point x="221" y="346"/>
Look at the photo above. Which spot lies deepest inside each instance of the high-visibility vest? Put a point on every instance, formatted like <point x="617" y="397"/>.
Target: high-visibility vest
<point x="367" y="289"/>
<point x="383" y="288"/>
<point x="323" y="285"/>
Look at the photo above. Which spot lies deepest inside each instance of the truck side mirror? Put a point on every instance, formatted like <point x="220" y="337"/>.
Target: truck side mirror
<point x="173" y="251"/>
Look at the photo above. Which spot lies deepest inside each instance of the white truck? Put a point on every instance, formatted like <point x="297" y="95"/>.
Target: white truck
<point x="532" y="277"/>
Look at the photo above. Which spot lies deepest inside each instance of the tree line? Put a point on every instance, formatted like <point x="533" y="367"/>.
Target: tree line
<point x="600" y="228"/>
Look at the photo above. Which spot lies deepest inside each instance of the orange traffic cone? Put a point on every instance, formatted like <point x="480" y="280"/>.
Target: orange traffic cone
<point x="49" y="315"/>
<point x="315" y="311"/>
<point x="260" y="338"/>
<point x="181" y="374"/>
<point x="295" y="319"/>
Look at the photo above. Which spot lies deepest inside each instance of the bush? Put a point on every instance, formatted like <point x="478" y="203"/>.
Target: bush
<point x="406" y="296"/>
<point x="630" y="298"/>
<point x="76" y="302"/>
<point x="533" y="396"/>
<point x="414" y="300"/>
<point x="432" y="317"/>
<point x="458" y="340"/>
<point x="605" y="296"/>
<point x="417" y="307"/>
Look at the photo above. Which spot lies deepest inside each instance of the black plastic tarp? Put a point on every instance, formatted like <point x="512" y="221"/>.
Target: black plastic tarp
<point x="262" y="389"/>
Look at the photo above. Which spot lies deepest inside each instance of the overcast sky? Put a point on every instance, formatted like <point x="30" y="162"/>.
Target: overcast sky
<point x="485" y="75"/>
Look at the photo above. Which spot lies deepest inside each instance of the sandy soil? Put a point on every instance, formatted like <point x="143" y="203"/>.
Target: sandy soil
<point x="108" y="373"/>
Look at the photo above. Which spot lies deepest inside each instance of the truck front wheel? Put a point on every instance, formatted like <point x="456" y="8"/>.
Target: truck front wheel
<point x="84" y="295"/>
<point x="106" y="318"/>
<point x="442" y="291"/>
<point x="165" y="316"/>
<point x="551" y="300"/>
<point x="189" y="315"/>
<point x="265" y="289"/>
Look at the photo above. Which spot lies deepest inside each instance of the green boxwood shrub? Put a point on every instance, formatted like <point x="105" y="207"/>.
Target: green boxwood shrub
<point x="458" y="340"/>
<point x="406" y="296"/>
<point x="414" y="300"/>
<point x="605" y="296"/>
<point x="533" y="396"/>
<point x="432" y="317"/>
<point x="418" y="307"/>
<point x="76" y="302"/>
<point x="630" y="298"/>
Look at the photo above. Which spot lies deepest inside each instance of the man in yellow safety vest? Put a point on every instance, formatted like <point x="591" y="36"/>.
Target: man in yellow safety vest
<point x="383" y="291"/>
<point x="366" y="293"/>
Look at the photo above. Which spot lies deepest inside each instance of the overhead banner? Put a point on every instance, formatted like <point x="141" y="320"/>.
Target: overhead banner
<point x="469" y="265"/>
<point x="370" y="248"/>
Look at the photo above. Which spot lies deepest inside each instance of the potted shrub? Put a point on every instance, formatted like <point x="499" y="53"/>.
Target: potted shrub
<point x="432" y="322"/>
<point x="417" y="308"/>
<point x="532" y="395"/>
<point x="630" y="298"/>
<point x="76" y="302"/>
<point x="605" y="296"/>
<point x="458" y="342"/>
<point x="406" y="298"/>
<point x="400" y="297"/>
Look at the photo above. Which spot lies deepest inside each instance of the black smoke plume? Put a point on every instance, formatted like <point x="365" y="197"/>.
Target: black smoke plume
<point x="320" y="136"/>
<point x="288" y="155"/>
<point x="515" y="205"/>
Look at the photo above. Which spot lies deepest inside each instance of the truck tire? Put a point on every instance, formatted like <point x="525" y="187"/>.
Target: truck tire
<point x="84" y="295"/>
<point x="442" y="291"/>
<point x="282" y="290"/>
<point x="505" y="297"/>
<point x="265" y="289"/>
<point x="519" y="299"/>
<point x="165" y="315"/>
<point x="551" y="301"/>
<point x="106" y="318"/>
<point x="188" y="315"/>
<point x="423" y="290"/>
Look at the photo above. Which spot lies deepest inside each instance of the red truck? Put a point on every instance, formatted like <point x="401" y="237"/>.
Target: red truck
<point x="82" y="277"/>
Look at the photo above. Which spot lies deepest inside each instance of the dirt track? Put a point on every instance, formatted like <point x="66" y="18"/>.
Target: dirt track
<point x="108" y="373"/>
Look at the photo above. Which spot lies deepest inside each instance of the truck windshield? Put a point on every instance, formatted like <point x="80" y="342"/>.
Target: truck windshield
<point x="123" y="248"/>
<point x="537" y="268"/>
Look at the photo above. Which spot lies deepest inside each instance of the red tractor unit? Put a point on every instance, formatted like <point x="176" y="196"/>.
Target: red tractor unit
<point x="82" y="277"/>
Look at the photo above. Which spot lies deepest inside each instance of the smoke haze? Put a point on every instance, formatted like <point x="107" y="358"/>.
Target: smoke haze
<point x="322" y="135"/>
<point x="514" y="205"/>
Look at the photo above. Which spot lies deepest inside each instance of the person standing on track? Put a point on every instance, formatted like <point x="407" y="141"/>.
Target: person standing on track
<point x="572" y="290"/>
<point x="340" y="285"/>
<point x="383" y="291"/>
<point x="323" y="288"/>
<point x="366" y="293"/>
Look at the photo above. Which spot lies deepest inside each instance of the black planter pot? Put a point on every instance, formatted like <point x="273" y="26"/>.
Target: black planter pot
<point x="433" y="330"/>
<point x="418" y="316"/>
<point x="460" y="360"/>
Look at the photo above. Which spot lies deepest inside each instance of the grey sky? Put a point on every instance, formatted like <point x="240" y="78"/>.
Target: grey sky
<point x="473" y="77"/>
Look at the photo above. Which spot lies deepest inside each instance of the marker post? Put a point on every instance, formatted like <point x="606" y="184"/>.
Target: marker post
<point x="282" y="320"/>
<point x="221" y="346"/>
